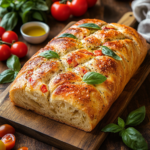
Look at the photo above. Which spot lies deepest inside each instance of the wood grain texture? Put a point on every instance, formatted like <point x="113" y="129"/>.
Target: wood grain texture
<point x="110" y="11"/>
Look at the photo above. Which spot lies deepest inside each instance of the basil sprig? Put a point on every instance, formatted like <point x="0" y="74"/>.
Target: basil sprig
<point x="109" y="52"/>
<point x="93" y="78"/>
<point x="67" y="35"/>
<point x="14" y="66"/>
<point x="130" y="136"/>
<point x="49" y="54"/>
<point x="90" y="25"/>
<point x="28" y="10"/>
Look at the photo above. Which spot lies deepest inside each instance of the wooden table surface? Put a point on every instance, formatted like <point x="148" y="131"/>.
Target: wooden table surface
<point x="109" y="11"/>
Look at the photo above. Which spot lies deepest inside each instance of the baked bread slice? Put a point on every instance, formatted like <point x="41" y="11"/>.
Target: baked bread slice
<point x="55" y="87"/>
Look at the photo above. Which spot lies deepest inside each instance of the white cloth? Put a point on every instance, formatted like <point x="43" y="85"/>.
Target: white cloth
<point x="141" y="11"/>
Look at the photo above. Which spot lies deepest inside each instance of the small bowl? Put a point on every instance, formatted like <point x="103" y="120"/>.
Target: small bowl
<point x="35" y="39"/>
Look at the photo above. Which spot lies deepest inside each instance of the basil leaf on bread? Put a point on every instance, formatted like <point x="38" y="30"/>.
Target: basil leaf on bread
<point x="49" y="54"/>
<point x="67" y="35"/>
<point x="107" y="51"/>
<point x="90" y="26"/>
<point x="93" y="78"/>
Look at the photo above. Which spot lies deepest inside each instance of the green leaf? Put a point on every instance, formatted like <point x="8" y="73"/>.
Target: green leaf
<point x="26" y="16"/>
<point x="93" y="78"/>
<point x="37" y="15"/>
<point x="19" y="5"/>
<point x="49" y="54"/>
<point x="109" y="52"/>
<point x="112" y="128"/>
<point x="67" y="35"/>
<point x="5" y="3"/>
<point x="134" y="139"/>
<point x="3" y="11"/>
<point x="40" y="5"/>
<point x="121" y="122"/>
<point x="89" y="25"/>
<point x="27" y="6"/>
<point x="13" y="63"/>
<point x="7" y="76"/>
<point x="9" y="20"/>
<point x="136" y="116"/>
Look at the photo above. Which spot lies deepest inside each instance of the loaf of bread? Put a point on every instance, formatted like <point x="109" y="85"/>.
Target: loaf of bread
<point x="55" y="87"/>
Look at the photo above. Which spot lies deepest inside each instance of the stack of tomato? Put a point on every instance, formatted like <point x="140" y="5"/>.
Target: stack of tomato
<point x="9" y="44"/>
<point x="61" y="10"/>
<point x="8" y="139"/>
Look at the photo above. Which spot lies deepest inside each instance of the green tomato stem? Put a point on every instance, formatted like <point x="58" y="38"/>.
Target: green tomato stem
<point x="2" y="42"/>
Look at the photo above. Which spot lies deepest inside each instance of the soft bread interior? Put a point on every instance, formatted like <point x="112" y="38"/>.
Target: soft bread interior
<point x="58" y="110"/>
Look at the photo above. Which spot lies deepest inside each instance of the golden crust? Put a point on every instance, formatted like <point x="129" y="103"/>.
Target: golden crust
<point x="54" y="80"/>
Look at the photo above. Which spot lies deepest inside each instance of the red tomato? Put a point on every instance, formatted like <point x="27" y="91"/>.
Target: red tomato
<point x="10" y="36"/>
<point x="9" y="141"/>
<point x="91" y="2"/>
<point x="2" y="30"/>
<point x="78" y="7"/>
<point x="44" y="88"/>
<point x="5" y="129"/>
<point x="23" y="148"/>
<point x="19" y="49"/>
<point x="98" y="53"/>
<point x="2" y="146"/>
<point x="60" y="11"/>
<point x="55" y="0"/>
<point x="5" y="52"/>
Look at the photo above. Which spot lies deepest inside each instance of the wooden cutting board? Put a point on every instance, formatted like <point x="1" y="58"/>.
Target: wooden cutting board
<point x="64" y="136"/>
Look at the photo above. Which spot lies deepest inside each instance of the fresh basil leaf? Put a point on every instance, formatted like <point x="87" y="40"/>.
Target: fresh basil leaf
<point x="40" y="5"/>
<point x="26" y="16"/>
<point x="13" y="63"/>
<point x="136" y="116"/>
<point x="112" y="128"/>
<point x="89" y="25"/>
<point x="27" y="6"/>
<point x="93" y="78"/>
<point x="67" y="35"/>
<point x="49" y="54"/>
<point x="109" y="52"/>
<point x="134" y="139"/>
<point x="19" y="5"/>
<point x="9" y="20"/>
<point x="37" y="15"/>
<point x="121" y="122"/>
<point x="3" y="11"/>
<point x="7" y="76"/>
<point x="5" y="3"/>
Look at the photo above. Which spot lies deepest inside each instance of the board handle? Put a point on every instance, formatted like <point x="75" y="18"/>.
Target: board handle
<point x="128" y="19"/>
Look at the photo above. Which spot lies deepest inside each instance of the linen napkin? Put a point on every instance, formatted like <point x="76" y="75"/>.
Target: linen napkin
<point x="141" y="11"/>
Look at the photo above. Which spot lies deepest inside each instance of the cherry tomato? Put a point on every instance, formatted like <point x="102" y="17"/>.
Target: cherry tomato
<point x="10" y="36"/>
<point x="2" y="30"/>
<point x="9" y="141"/>
<point x="78" y="7"/>
<point x="91" y="2"/>
<point x="5" y="52"/>
<point x="19" y="49"/>
<point x="5" y="129"/>
<point x="2" y="146"/>
<point x="23" y="148"/>
<point x="60" y="11"/>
